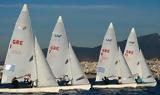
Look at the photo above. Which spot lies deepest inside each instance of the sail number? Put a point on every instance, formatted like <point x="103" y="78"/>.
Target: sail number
<point x="17" y="42"/>
<point x="128" y="52"/>
<point x="53" y="48"/>
<point x="104" y="51"/>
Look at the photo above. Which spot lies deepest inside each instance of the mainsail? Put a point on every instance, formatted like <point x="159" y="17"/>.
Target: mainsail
<point x="25" y="57"/>
<point x="108" y="56"/>
<point x="58" y="50"/>
<point x="135" y="60"/>
<point x="123" y="70"/>
<point x="61" y="57"/>
<point x="131" y="52"/>
<point x="145" y="73"/>
<point x="77" y="75"/>
<point x="20" y="51"/>
<point x="44" y="73"/>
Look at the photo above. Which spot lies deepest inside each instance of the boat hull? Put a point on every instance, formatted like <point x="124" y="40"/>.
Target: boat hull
<point x="150" y="84"/>
<point x="75" y="87"/>
<point x="30" y="90"/>
<point x="133" y="85"/>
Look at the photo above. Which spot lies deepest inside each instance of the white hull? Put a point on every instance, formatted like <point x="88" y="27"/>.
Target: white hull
<point x="151" y="84"/>
<point x="133" y="85"/>
<point x="30" y="90"/>
<point x="77" y="87"/>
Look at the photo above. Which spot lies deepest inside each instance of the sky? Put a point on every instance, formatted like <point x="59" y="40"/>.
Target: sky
<point x="86" y="21"/>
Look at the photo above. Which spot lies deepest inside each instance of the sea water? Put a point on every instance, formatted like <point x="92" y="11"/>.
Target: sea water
<point x="121" y="91"/>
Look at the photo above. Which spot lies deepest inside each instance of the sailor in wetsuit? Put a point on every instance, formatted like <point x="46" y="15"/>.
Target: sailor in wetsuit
<point x="27" y="80"/>
<point x="138" y="79"/>
<point x="105" y="80"/>
<point x="119" y="80"/>
<point x="15" y="82"/>
<point x="66" y="80"/>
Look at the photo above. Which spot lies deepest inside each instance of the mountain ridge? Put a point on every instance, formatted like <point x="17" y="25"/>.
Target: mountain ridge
<point x="149" y="44"/>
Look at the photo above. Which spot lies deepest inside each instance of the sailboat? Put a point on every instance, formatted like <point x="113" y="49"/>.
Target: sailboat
<point x="63" y="61"/>
<point x="136" y="62"/>
<point x="111" y="64"/>
<point x="25" y="59"/>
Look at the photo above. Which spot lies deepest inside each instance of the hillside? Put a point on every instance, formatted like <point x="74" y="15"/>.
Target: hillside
<point x="150" y="45"/>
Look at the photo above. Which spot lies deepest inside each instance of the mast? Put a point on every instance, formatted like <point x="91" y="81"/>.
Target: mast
<point x="68" y="67"/>
<point x="34" y="56"/>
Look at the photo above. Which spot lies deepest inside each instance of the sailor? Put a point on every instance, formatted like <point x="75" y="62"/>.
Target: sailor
<point x="138" y="80"/>
<point x="15" y="82"/>
<point x="59" y="80"/>
<point x="119" y="80"/>
<point x="34" y="83"/>
<point x="66" y="80"/>
<point x="27" y="79"/>
<point x="105" y="80"/>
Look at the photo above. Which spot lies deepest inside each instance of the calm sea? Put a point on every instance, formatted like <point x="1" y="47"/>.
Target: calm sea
<point x="123" y="91"/>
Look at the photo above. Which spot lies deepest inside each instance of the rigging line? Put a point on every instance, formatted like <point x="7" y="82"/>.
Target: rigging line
<point x="36" y="65"/>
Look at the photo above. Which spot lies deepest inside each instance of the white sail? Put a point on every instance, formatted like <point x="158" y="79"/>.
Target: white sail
<point x="131" y="52"/>
<point x="19" y="60"/>
<point x="77" y="75"/>
<point x="58" y="50"/>
<point x="145" y="73"/>
<point x="108" y="56"/>
<point x="123" y="70"/>
<point x="44" y="73"/>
